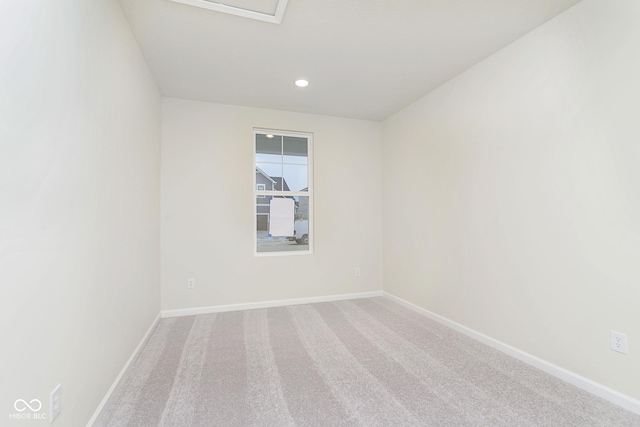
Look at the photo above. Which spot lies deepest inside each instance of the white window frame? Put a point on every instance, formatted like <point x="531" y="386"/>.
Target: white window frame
<point x="259" y="193"/>
<point x="264" y="187"/>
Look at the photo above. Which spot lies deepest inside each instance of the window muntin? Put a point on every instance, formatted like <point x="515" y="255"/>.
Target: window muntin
<point x="283" y="171"/>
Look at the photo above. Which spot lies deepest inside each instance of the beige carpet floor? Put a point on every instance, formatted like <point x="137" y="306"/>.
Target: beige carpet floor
<point x="367" y="362"/>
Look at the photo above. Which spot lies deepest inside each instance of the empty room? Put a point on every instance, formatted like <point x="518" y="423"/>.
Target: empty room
<point x="320" y="213"/>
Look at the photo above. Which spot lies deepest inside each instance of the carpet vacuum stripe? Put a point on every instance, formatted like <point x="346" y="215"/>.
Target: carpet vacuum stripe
<point x="363" y="362"/>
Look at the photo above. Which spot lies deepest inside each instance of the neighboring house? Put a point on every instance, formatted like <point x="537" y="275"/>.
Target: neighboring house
<point x="268" y="183"/>
<point x="263" y="182"/>
<point x="303" y="207"/>
<point x="279" y="183"/>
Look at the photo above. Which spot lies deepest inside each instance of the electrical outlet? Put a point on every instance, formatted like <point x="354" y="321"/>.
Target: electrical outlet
<point x="619" y="342"/>
<point x="55" y="402"/>
<point x="191" y="282"/>
<point x="357" y="272"/>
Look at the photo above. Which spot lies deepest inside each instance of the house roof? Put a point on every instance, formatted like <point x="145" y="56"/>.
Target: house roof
<point x="260" y="171"/>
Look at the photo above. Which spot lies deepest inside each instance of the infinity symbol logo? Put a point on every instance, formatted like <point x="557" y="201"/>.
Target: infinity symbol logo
<point x="21" y="403"/>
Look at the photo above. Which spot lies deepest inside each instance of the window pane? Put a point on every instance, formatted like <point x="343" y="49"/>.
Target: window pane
<point x="295" y="150"/>
<point x="296" y="177"/>
<point x="302" y="208"/>
<point x="299" y="241"/>
<point x="271" y="146"/>
<point x="301" y="231"/>
<point x="268" y="150"/>
<point x="269" y="174"/>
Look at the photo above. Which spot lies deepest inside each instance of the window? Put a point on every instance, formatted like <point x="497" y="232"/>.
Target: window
<point x="283" y="192"/>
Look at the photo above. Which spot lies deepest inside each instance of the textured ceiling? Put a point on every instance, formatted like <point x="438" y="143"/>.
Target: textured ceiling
<point x="364" y="58"/>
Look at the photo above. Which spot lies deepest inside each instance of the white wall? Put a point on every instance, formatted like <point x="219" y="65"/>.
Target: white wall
<point x="512" y="194"/>
<point x="208" y="207"/>
<point x="79" y="202"/>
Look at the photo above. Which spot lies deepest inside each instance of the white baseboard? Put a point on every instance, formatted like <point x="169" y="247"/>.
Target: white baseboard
<point x="586" y="384"/>
<point x="266" y="304"/>
<point x="141" y="344"/>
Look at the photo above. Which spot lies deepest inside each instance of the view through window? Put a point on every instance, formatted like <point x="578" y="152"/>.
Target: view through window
<point x="283" y="192"/>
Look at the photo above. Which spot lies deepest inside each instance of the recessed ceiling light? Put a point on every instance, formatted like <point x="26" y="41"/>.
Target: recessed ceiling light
<point x="302" y="83"/>
<point x="269" y="136"/>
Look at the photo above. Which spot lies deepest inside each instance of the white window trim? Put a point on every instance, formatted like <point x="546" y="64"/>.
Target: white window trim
<point x="308" y="194"/>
